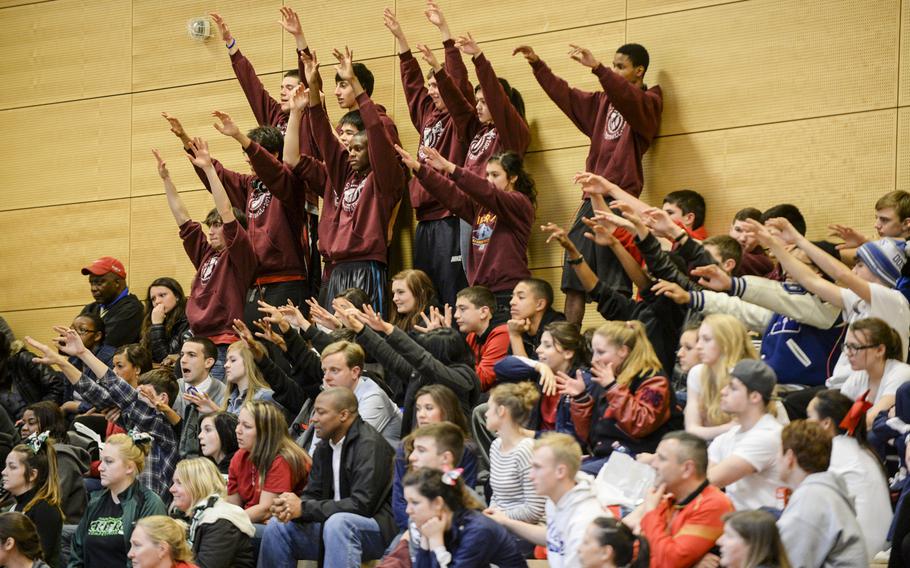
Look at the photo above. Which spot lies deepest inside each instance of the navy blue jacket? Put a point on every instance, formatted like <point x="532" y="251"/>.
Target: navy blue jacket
<point x="475" y="540"/>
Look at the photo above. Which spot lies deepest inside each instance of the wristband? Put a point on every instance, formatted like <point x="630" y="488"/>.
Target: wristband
<point x="575" y="261"/>
<point x="680" y="237"/>
<point x="232" y="44"/>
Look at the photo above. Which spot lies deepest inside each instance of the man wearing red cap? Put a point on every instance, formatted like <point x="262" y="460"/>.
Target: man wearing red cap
<point x="120" y="310"/>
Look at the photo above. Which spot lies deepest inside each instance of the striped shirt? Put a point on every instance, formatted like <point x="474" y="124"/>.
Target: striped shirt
<point x="510" y="480"/>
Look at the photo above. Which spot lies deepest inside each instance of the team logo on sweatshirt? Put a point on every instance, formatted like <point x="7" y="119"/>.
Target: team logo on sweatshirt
<point x="480" y="144"/>
<point x="481" y="235"/>
<point x="259" y="201"/>
<point x="616" y="124"/>
<point x="207" y="269"/>
<point x="351" y="194"/>
<point x="431" y="137"/>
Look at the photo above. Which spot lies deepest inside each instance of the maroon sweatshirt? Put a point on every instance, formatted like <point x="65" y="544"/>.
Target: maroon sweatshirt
<point x="356" y="214"/>
<point x="222" y="278"/>
<point x="276" y="222"/>
<point x="437" y="130"/>
<point x="508" y="131"/>
<point x="621" y="122"/>
<point x="754" y="263"/>
<point x="501" y="223"/>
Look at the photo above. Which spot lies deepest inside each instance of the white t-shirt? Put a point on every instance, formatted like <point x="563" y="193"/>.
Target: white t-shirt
<point x="867" y="486"/>
<point x="887" y="304"/>
<point x="896" y="373"/>
<point x="759" y="446"/>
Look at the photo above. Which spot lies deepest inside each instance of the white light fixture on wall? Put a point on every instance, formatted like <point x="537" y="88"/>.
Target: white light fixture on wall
<point x="200" y="28"/>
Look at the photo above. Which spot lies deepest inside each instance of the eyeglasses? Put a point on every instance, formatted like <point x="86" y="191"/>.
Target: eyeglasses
<point x="852" y="348"/>
<point x="83" y="331"/>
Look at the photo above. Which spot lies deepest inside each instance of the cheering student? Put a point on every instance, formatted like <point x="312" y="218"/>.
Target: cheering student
<point x="621" y="122"/>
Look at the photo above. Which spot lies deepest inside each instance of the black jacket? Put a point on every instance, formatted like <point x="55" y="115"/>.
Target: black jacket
<point x="161" y="344"/>
<point x="366" y="480"/>
<point x="531" y="342"/>
<point x="33" y="382"/>
<point x="122" y="322"/>
<point x="403" y="357"/>
<point x="222" y="545"/>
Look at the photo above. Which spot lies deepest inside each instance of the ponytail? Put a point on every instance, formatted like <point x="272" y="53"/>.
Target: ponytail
<point x="40" y="464"/>
<point x="513" y="165"/>
<point x="878" y="332"/>
<point x="517" y="398"/>
<point x="613" y="533"/>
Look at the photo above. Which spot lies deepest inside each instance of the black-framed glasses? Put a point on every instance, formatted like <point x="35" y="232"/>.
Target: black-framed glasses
<point x="852" y="348"/>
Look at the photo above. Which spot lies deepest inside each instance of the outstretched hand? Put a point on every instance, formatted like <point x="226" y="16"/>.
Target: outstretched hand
<point x="594" y="184"/>
<point x="583" y="56"/>
<point x="712" y="277"/>
<point x="162" y="165"/>
<point x="290" y="21"/>
<point x="785" y="229"/>
<point x="547" y="379"/>
<point x="69" y="341"/>
<point x="391" y="22"/>
<point x="311" y="68"/>
<point x="467" y="45"/>
<point x="294" y="316"/>
<point x="48" y="355"/>
<point x="428" y="56"/>
<point x="436" y="161"/>
<point x="345" y="67"/>
<point x="572" y="386"/>
<point x="601" y="230"/>
<point x="222" y="26"/>
<point x="436" y="319"/>
<point x="227" y="127"/>
<point x="434" y="15"/>
<point x="661" y="224"/>
<point x="200" y="157"/>
<point x="374" y="321"/>
<point x="851" y="237"/>
<point x="528" y="52"/>
<point x="176" y="127"/>
<point x="559" y="235"/>
<point x="348" y="313"/>
<point x="321" y="316"/>
<point x="760" y="233"/>
<point x="671" y="290"/>
<point x="410" y="161"/>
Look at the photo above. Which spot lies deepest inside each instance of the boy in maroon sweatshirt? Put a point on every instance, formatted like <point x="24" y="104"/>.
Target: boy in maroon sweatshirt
<point x="225" y="263"/>
<point x="621" y="122"/>
<point x="436" y="240"/>
<point x="276" y="215"/>
<point x="754" y="261"/>
<point x="365" y="182"/>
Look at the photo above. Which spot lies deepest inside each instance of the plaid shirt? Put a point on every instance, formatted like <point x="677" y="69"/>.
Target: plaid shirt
<point x="137" y="413"/>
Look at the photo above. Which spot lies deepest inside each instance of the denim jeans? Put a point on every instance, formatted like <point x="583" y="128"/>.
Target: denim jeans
<point x="349" y="540"/>
<point x="217" y="371"/>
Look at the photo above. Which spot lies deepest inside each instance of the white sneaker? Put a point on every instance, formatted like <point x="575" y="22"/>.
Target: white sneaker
<point x="883" y="556"/>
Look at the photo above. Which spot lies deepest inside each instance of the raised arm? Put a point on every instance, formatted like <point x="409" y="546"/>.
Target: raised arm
<point x="203" y="160"/>
<point x="330" y="148"/>
<point x="178" y="209"/>
<point x="440" y="187"/>
<point x="573" y="256"/>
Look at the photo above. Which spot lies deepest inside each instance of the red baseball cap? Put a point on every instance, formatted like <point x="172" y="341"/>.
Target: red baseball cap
<point x="104" y="265"/>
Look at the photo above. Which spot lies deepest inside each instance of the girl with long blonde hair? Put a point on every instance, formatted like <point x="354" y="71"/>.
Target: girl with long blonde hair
<point x="722" y="342"/>
<point x="244" y="379"/>
<point x="629" y="402"/>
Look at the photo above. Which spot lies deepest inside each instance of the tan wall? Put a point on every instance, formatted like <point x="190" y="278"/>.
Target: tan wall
<point x="765" y="101"/>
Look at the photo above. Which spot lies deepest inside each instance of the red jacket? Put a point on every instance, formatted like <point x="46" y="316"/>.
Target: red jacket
<point x="488" y="349"/>
<point x="621" y="122"/>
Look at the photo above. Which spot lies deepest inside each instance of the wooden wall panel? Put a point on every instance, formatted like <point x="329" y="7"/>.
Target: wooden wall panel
<point x="155" y="246"/>
<point x="905" y="55"/>
<point x="41" y="267"/>
<point x="833" y="168"/>
<point x="550" y="128"/>
<point x="40" y="323"/>
<point x="641" y="8"/>
<point x="193" y="105"/>
<point x="75" y="152"/>
<point x="903" y="149"/>
<point x="331" y="24"/>
<point x="507" y="18"/>
<point x="64" y="50"/>
<point x="757" y="61"/>
<point x="165" y="56"/>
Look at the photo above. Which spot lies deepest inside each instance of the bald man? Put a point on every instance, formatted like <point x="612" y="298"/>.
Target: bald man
<point x="346" y="502"/>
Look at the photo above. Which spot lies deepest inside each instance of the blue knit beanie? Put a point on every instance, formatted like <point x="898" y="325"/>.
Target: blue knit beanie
<point x="885" y="258"/>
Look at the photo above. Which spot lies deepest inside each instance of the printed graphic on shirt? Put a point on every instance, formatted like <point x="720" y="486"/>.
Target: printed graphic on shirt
<point x="207" y="269"/>
<point x="259" y="201"/>
<point x="106" y="526"/>
<point x="483" y="230"/>
<point x="616" y="124"/>
<point x="785" y="325"/>
<point x="431" y="137"/>
<point x="351" y="194"/>
<point x="480" y="144"/>
<point x="555" y="542"/>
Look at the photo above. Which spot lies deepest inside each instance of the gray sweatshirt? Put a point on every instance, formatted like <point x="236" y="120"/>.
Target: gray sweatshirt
<point x="819" y="526"/>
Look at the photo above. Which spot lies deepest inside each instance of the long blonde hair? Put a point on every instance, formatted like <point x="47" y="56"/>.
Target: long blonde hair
<point x="255" y="381"/>
<point x="735" y="345"/>
<point x="641" y="359"/>
<point x="201" y="478"/>
<point x="273" y="440"/>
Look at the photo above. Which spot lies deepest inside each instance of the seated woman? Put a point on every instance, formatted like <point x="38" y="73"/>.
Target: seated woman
<point x="413" y="295"/>
<point x="219" y="532"/>
<point x="165" y="327"/>
<point x="218" y="439"/>
<point x="513" y="492"/>
<point x="30" y="476"/>
<point x="629" y="402"/>
<point x="112" y="512"/>
<point x="609" y="544"/>
<point x="433" y="404"/>
<point x="160" y="542"/>
<point x="130" y="361"/>
<point x="267" y="463"/>
<point x="450" y="529"/>
<point x="21" y="547"/>
<point x="751" y="539"/>
<point x="876" y="358"/>
<point x="245" y="382"/>
<point x="440" y="356"/>
<point x="852" y="459"/>
<point x="722" y="342"/>
<point x="73" y="461"/>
